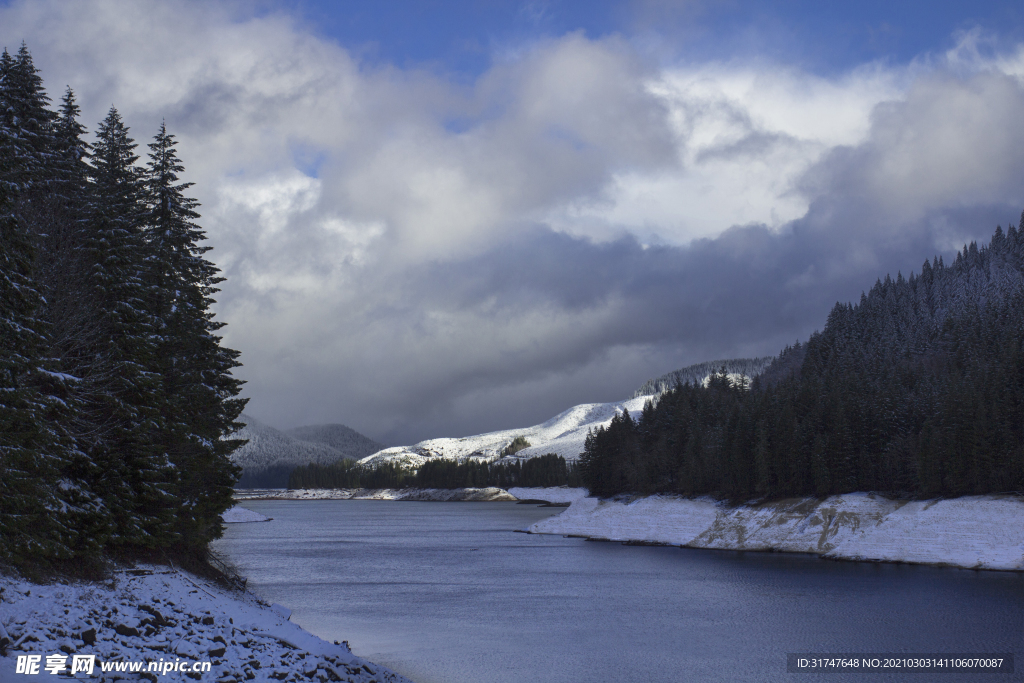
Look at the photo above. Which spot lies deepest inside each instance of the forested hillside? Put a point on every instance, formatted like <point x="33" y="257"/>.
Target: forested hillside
<point x="339" y="437"/>
<point x="115" y="393"/>
<point x="697" y="374"/>
<point x="918" y="388"/>
<point x="269" y="455"/>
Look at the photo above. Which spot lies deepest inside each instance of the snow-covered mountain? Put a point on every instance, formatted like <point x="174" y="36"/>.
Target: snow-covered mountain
<point x="699" y="373"/>
<point x="272" y="454"/>
<point x="563" y="435"/>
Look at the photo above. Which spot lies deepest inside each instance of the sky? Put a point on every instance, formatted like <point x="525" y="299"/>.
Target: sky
<point x="446" y="218"/>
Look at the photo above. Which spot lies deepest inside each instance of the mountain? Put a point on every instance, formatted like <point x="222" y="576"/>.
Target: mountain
<point x="563" y="435"/>
<point x="337" y="436"/>
<point x="270" y="454"/>
<point x="699" y="373"/>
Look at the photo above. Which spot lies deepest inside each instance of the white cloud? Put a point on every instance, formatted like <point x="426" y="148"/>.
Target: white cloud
<point x="379" y="227"/>
<point x="745" y="136"/>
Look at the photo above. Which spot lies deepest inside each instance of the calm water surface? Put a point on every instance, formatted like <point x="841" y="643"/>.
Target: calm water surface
<point x="447" y="593"/>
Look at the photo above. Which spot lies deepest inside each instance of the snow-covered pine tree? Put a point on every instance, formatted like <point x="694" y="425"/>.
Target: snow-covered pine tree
<point x="201" y="405"/>
<point x="71" y="522"/>
<point x="124" y="398"/>
<point x="31" y="521"/>
<point x="26" y="116"/>
<point x="73" y="319"/>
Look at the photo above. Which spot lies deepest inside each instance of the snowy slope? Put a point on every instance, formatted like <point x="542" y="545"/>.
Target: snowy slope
<point x="736" y="368"/>
<point x="159" y="615"/>
<point x="240" y="515"/>
<point x="978" y="532"/>
<point x="563" y="435"/>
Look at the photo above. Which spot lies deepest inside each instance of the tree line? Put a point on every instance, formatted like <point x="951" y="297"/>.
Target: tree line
<point x="917" y="389"/>
<point x="544" y="470"/>
<point x="115" y="391"/>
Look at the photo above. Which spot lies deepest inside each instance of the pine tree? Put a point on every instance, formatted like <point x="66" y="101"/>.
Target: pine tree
<point x="123" y="401"/>
<point x="27" y="119"/>
<point x="201" y="405"/>
<point x="32" y="523"/>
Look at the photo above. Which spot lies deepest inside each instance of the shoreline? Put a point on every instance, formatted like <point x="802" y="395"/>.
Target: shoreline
<point x="161" y="616"/>
<point x="471" y="495"/>
<point x="971" y="532"/>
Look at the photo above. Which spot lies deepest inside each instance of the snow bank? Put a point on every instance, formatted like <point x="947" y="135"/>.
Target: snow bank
<point x="978" y="532"/>
<point x="441" y="495"/>
<point x="153" y="613"/>
<point x="240" y="514"/>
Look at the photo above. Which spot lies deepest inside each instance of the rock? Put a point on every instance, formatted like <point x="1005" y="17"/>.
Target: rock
<point x="88" y="637"/>
<point x="158" y="619"/>
<point x="126" y="630"/>
<point x="207" y="621"/>
<point x="217" y="652"/>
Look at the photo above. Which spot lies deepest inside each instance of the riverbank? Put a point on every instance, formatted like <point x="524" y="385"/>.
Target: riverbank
<point x="975" y="532"/>
<point x="158" y="617"/>
<point x="489" y="494"/>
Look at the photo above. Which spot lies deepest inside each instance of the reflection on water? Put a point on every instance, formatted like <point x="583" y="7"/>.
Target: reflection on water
<point x="446" y="593"/>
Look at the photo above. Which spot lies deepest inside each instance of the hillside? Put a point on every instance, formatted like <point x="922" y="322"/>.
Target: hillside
<point x="563" y="435"/>
<point x="915" y="389"/>
<point x="271" y="454"/>
<point x="337" y="436"/>
<point x="699" y="373"/>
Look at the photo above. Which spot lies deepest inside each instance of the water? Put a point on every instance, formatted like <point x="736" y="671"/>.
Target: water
<point x="447" y="593"/>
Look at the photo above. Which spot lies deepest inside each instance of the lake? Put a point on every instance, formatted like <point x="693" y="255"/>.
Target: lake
<point x="448" y="593"/>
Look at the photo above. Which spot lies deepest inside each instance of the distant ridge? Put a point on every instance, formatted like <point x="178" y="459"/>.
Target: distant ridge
<point x="338" y="436"/>
<point x="695" y="374"/>
<point x="272" y="454"/>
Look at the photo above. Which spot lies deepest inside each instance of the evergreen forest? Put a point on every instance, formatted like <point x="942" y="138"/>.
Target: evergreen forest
<point x="917" y="389"/>
<point x="544" y="470"/>
<point x="115" y="392"/>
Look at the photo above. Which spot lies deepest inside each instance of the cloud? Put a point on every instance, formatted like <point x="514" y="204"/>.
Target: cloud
<point x="418" y="257"/>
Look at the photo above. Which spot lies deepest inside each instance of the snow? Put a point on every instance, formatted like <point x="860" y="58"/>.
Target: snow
<point x="440" y="495"/>
<point x="152" y="612"/>
<point x="240" y="514"/>
<point x="978" y="532"/>
<point x="563" y="435"/>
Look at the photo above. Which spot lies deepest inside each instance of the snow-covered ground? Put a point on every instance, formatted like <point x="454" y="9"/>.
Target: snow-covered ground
<point x="979" y="532"/>
<point x="153" y="614"/>
<point x="440" y="495"/>
<point x="563" y="435"/>
<point x="240" y="514"/>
